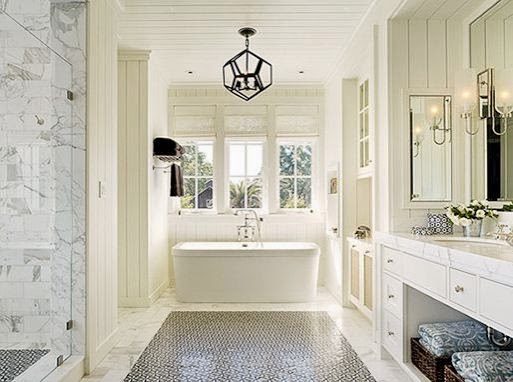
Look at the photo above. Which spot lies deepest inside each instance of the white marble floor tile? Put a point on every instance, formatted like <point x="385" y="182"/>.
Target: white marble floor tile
<point x="139" y="325"/>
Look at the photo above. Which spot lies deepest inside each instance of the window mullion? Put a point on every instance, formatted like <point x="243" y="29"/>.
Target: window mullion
<point x="196" y="190"/>
<point x="295" y="176"/>
<point x="245" y="174"/>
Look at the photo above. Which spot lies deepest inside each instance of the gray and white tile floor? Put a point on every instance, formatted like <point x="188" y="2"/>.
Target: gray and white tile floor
<point x="139" y="325"/>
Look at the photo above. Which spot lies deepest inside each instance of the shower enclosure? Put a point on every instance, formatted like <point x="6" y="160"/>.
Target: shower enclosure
<point x="35" y="205"/>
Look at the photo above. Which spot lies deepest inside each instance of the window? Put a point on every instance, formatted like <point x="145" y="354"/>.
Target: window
<point x="198" y="171"/>
<point x="295" y="173"/>
<point x="245" y="160"/>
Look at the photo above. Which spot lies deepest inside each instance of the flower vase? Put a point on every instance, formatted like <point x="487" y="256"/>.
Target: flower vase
<point x="473" y="229"/>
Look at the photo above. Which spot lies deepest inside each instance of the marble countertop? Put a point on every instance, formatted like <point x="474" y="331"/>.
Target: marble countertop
<point x="488" y="258"/>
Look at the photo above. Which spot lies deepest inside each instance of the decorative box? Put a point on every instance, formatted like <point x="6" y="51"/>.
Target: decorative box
<point x="440" y="224"/>
<point x="421" y="231"/>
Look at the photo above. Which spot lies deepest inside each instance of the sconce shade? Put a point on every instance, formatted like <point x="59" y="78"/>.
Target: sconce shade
<point x="466" y="89"/>
<point x="434" y="107"/>
<point x="504" y="90"/>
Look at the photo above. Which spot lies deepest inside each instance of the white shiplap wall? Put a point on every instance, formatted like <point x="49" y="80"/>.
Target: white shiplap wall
<point x="133" y="178"/>
<point x="101" y="285"/>
<point x="424" y="54"/>
<point x="491" y="38"/>
<point x="143" y="193"/>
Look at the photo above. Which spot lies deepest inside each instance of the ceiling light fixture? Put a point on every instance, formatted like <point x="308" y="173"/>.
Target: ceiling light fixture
<point x="246" y="75"/>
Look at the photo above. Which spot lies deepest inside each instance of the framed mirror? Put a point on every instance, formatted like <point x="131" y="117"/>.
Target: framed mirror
<point x="492" y="145"/>
<point x="430" y="125"/>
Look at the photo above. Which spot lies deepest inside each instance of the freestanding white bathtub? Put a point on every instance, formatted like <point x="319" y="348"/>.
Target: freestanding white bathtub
<point x="246" y="272"/>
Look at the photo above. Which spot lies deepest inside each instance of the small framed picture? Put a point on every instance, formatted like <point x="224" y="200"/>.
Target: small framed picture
<point x="333" y="185"/>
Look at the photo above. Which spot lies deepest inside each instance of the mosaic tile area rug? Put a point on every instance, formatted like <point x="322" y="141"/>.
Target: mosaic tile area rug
<point x="249" y="346"/>
<point x="15" y="362"/>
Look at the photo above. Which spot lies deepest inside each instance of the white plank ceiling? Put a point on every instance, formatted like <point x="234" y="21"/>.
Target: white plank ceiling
<point x="437" y="9"/>
<point x="201" y="35"/>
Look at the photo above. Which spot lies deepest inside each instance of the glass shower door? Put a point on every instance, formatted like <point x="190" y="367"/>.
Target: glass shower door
<point x="35" y="205"/>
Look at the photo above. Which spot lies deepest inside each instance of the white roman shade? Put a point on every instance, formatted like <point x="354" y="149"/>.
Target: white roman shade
<point x="197" y="120"/>
<point x="245" y="120"/>
<point x="297" y="120"/>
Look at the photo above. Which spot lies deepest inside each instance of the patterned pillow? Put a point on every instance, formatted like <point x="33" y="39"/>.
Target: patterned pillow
<point x="484" y="366"/>
<point x="444" y="339"/>
<point x="440" y="224"/>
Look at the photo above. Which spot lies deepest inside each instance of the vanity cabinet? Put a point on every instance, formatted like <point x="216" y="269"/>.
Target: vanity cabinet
<point x="422" y="281"/>
<point x="361" y="275"/>
<point x="463" y="289"/>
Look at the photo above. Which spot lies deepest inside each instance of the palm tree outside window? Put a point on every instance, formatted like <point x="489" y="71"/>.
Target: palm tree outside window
<point x="246" y="173"/>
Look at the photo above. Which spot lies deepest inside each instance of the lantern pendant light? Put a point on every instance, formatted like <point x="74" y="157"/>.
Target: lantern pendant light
<point x="246" y="75"/>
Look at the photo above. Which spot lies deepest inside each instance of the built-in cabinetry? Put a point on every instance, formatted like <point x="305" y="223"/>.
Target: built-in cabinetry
<point x="364" y="135"/>
<point x="421" y="280"/>
<point x="361" y="275"/>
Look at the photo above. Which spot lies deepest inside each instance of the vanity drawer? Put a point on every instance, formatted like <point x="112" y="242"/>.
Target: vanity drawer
<point x="424" y="273"/>
<point x="495" y="301"/>
<point x="392" y="295"/>
<point x="392" y="335"/>
<point x="463" y="289"/>
<point x="392" y="260"/>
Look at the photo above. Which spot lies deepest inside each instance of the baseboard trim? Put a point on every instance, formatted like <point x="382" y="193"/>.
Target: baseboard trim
<point x="134" y="302"/>
<point x="94" y="358"/>
<point x="143" y="302"/>
<point x="158" y="292"/>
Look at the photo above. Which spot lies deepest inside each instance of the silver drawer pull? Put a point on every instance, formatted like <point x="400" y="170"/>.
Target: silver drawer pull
<point x="367" y="252"/>
<point x="391" y="333"/>
<point x="390" y="261"/>
<point x="458" y="289"/>
<point x="391" y="296"/>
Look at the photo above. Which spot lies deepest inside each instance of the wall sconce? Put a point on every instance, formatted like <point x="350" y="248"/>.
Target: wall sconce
<point x="466" y="97"/>
<point x="492" y="92"/>
<point x="439" y="122"/>
<point x="418" y="138"/>
<point x="503" y="101"/>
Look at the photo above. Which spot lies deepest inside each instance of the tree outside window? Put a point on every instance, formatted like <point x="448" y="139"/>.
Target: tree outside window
<point x="198" y="170"/>
<point x="295" y="175"/>
<point x="245" y="174"/>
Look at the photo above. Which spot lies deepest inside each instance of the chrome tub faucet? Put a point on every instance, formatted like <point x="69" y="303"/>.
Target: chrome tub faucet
<point x="251" y="227"/>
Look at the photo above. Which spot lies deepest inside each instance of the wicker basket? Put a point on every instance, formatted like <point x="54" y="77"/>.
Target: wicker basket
<point x="451" y="375"/>
<point x="429" y="364"/>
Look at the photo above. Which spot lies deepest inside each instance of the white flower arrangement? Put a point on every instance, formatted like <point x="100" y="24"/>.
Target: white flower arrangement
<point x="464" y="215"/>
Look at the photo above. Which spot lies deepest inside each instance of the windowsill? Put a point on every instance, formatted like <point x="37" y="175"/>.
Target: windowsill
<point x="229" y="217"/>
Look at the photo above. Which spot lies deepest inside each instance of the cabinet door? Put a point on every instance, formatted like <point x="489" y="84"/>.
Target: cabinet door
<point x="367" y="281"/>
<point x="364" y="135"/>
<point x="355" y="273"/>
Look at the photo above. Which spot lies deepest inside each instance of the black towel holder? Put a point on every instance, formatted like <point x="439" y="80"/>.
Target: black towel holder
<point x="167" y="150"/>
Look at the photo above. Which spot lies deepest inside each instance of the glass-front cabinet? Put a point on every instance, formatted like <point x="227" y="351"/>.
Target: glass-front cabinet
<point x="364" y="135"/>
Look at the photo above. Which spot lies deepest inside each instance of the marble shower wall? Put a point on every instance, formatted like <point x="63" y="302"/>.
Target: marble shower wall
<point x="42" y="174"/>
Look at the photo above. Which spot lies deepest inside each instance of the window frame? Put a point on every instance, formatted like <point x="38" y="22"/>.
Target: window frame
<point x="187" y="141"/>
<point x="264" y="175"/>
<point x="297" y="140"/>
